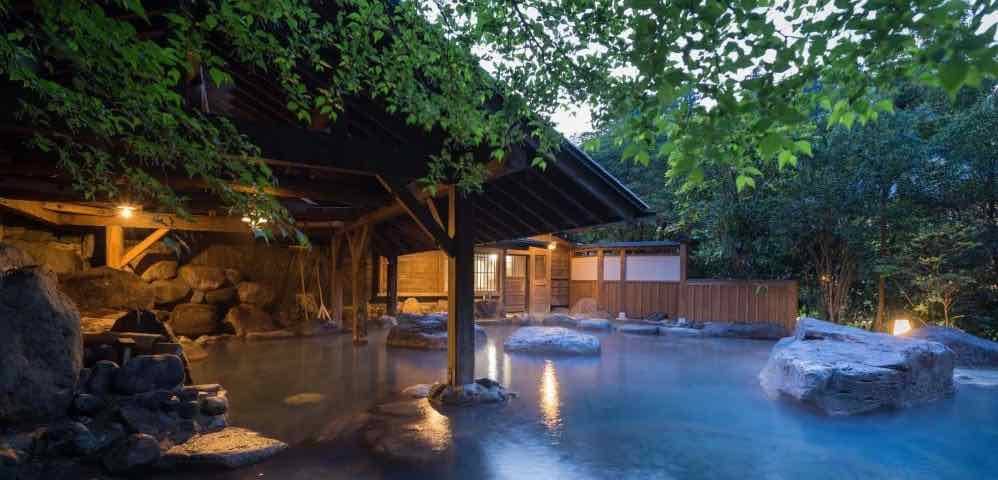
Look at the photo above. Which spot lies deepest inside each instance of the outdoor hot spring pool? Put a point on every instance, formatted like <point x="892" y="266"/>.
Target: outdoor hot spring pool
<point x="649" y="407"/>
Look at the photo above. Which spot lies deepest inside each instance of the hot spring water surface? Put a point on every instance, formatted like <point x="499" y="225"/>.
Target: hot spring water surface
<point x="649" y="407"/>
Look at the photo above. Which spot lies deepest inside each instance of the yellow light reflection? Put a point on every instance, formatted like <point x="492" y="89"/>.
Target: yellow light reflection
<point x="507" y="368"/>
<point x="434" y="428"/>
<point x="493" y="360"/>
<point x="550" y="402"/>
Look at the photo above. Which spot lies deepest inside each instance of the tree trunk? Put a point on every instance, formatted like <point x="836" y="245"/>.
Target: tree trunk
<point x="879" y="322"/>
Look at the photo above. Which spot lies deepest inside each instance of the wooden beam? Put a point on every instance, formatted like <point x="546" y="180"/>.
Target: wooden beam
<point x="550" y="227"/>
<point x="553" y="186"/>
<point x="501" y="283"/>
<point x="32" y="209"/>
<point x="114" y="245"/>
<point x="461" y="290"/>
<point x="432" y="205"/>
<point x="420" y="213"/>
<point x="143" y="245"/>
<point x="498" y="207"/>
<point x="65" y="207"/>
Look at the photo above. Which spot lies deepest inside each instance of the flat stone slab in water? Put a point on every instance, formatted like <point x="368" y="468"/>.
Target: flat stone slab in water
<point x="638" y="329"/>
<point x="553" y="340"/>
<point x="970" y="350"/>
<point x="753" y="331"/>
<point x="231" y="447"/>
<point x="842" y="370"/>
<point x="679" y="331"/>
<point x="978" y="377"/>
<point x="595" y="324"/>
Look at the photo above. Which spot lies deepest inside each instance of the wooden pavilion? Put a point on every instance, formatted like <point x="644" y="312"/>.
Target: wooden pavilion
<point x="351" y="184"/>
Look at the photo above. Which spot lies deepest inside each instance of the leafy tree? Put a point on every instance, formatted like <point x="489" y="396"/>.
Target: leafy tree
<point x="100" y="94"/>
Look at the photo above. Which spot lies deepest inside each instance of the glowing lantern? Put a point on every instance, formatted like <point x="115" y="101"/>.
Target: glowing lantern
<point x="126" y="211"/>
<point x="552" y="246"/>
<point x="901" y="326"/>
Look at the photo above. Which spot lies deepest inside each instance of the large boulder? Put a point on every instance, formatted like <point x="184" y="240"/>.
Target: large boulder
<point x="222" y="296"/>
<point x="246" y="318"/>
<point x="425" y="332"/>
<point x="561" y="319"/>
<point x="202" y="277"/>
<point x="13" y="258"/>
<point x="753" y="331"/>
<point x="60" y="257"/>
<point x="411" y="306"/>
<point x="170" y="291"/>
<point x="105" y="287"/>
<point x="552" y="340"/>
<point x="585" y="307"/>
<point x="970" y="350"/>
<point x="41" y="347"/>
<point x="841" y="370"/>
<point x="194" y="319"/>
<point x="255" y="293"/>
<point x="230" y="447"/>
<point x="150" y="372"/>
<point x="135" y="453"/>
<point x="637" y="329"/>
<point x="160" y="270"/>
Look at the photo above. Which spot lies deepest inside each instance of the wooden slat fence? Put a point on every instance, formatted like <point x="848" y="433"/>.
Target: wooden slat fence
<point x="746" y="301"/>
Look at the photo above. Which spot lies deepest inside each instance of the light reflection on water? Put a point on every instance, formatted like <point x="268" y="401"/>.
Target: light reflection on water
<point x="648" y="408"/>
<point x="550" y="403"/>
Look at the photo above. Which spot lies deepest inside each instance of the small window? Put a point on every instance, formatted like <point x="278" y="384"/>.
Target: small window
<point x="485" y="272"/>
<point x="516" y="266"/>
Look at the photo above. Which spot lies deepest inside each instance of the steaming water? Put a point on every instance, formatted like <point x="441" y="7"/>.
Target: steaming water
<point x="648" y="408"/>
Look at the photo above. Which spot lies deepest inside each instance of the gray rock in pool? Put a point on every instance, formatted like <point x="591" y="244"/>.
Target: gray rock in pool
<point x="842" y="370"/>
<point x="753" y="331"/>
<point x="638" y="329"/>
<point x="970" y="350"/>
<point x="556" y="340"/>
<point x="425" y="332"/>
<point x="595" y="324"/>
<point x="231" y="447"/>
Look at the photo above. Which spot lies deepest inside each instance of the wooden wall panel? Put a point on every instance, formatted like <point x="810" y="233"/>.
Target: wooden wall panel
<point x="579" y="289"/>
<point x="559" y="293"/>
<point x="561" y="260"/>
<point x="742" y="301"/>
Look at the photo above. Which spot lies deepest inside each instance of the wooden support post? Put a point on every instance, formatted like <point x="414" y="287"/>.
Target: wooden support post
<point x="358" y="246"/>
<point x="114" y="245"/>
<point x="375" y="271"/>
<point x="501" y="284"/>
<point x="683" y="256"/>
<point x="392" y="289"/>
<point x="600" y="305"/>
<point x="335" y="286"/>
<point x="461" y="288"/>
<point x="622" y="289"/>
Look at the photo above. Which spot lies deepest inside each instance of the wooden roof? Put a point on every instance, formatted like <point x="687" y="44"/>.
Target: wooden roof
<point x="360" y="168"/>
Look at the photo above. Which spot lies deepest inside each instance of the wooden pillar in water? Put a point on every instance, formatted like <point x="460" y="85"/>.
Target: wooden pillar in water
<point x="358" y="250"/>
<point x="392" y="289"/>
<point x="335" y="285"/>
<point x="461" y="290"/>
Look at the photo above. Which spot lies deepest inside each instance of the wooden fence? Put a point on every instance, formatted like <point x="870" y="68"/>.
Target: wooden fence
<point x="746" y="301"/>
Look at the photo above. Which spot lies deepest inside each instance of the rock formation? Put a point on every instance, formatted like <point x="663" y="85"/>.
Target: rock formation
<point x="552" y="340"/>
<point x="841" y="370"/>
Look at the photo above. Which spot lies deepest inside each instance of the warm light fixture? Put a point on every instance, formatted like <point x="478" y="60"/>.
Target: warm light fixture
<point x="126" y="211"/>
<point x="552" y="246"/>
<point x="901" y="326"/>
<point x="254" y="222"/>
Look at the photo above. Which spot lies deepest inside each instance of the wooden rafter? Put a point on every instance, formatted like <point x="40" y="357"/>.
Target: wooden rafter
<point x="143" y="246"/>
<point x="420" y="212"/>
